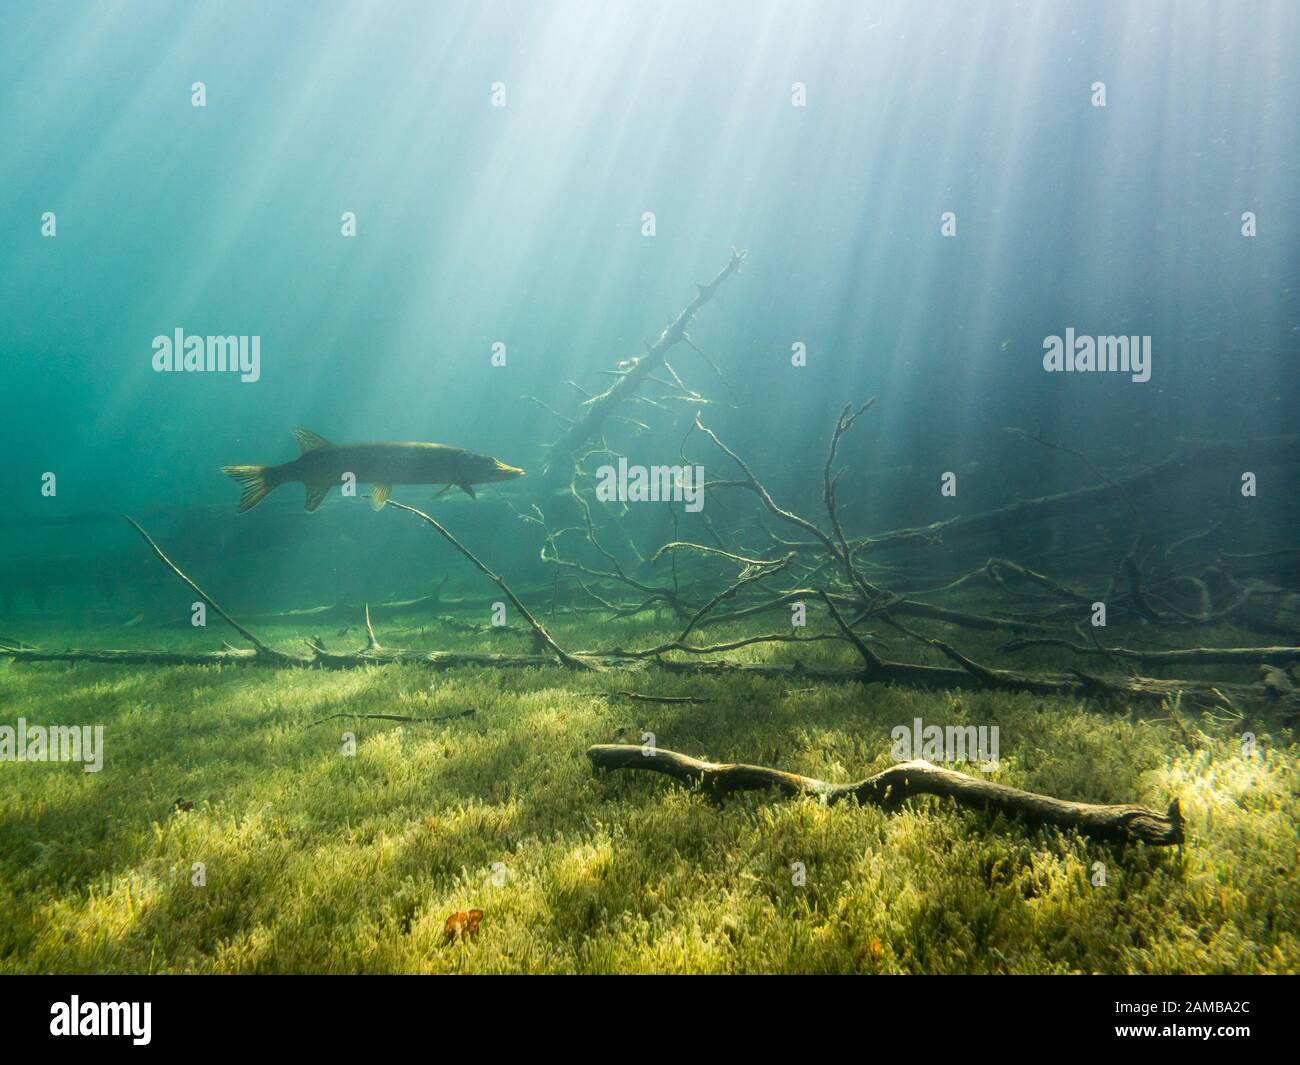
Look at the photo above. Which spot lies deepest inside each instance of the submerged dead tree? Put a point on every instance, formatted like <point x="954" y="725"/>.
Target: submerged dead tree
<point x="754" y="556"/>
<point x="596" y="410"/>
<point x="1275" y="686"/>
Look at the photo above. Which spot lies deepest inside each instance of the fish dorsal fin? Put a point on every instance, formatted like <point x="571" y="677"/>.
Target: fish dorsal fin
<point x="467" y="488"/>
<point x="309" y="441"/>
<point x="316" y="496"/>
<point x="379" y="495"/>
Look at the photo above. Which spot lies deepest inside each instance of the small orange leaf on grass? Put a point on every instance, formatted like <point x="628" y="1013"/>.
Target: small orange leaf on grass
<point x="870" y="953"/>
<point x="461" y="925"/>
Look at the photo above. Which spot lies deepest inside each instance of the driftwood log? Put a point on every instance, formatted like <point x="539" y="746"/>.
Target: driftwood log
<point x="1121" y="824"/>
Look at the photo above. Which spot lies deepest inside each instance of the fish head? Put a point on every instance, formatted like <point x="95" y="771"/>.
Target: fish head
<point x="489" y="470"/>
<point x="505" y="472"/>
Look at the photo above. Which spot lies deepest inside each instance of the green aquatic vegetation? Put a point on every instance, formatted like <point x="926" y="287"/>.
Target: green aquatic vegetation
<point x="316" y="859"/>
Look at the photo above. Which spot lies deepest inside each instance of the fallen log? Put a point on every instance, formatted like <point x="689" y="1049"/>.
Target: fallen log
<point x="889" y="788"/>
<point x="1120" y="690"/>
<point x="1187" y="656"/>
<point x="905" y="607"/>
<point x="874" y="669"/>
<point x="1190" y="455"/>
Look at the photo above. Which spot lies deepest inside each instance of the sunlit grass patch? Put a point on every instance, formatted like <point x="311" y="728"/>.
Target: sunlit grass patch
<point x="344" y="845"/>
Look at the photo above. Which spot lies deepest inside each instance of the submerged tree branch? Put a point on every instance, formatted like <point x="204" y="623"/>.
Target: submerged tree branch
<point x="1194" y="656"/>
<point x="260" y="647"/>
<point x="1121" y="690"/>
<point x="399" y="717"/>
<point x="887" y="789"/>
<point x="538" y="628"/>
<point x="1188" y="454"/>
<point x="597" y="409"/>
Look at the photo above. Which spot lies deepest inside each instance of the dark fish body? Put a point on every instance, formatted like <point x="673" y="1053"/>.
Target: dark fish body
<point x="322" y="465"/>
<point x="388" y="464"/>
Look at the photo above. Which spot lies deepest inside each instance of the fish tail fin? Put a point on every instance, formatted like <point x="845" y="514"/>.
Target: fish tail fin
<point x="254" y="483"/>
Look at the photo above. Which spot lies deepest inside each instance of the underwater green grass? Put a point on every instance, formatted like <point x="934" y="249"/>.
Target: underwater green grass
<point x="320" y="862"/>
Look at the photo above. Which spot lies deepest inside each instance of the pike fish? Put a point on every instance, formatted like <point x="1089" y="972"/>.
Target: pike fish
<point x="321" y="465"/>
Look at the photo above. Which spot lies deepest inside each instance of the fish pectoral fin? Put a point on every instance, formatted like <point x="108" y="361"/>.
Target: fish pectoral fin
<point x="309" y="441"/>
<point x="467" y="488"/>
<point x="379" y="495"/>
<point x="443" y="491"/>
<point x="316" y="496"/>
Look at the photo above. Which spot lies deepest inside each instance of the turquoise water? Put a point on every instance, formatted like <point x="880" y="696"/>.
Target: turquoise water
<point x="833" y="142"/>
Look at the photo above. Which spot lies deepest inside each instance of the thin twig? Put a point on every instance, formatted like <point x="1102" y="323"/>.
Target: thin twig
<point x="689" y="700"/>
<point x="396" y="717"/>
<point x="542" y="634"/>
<point x="261" y="647"/>
<point x="372" y="644"/>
